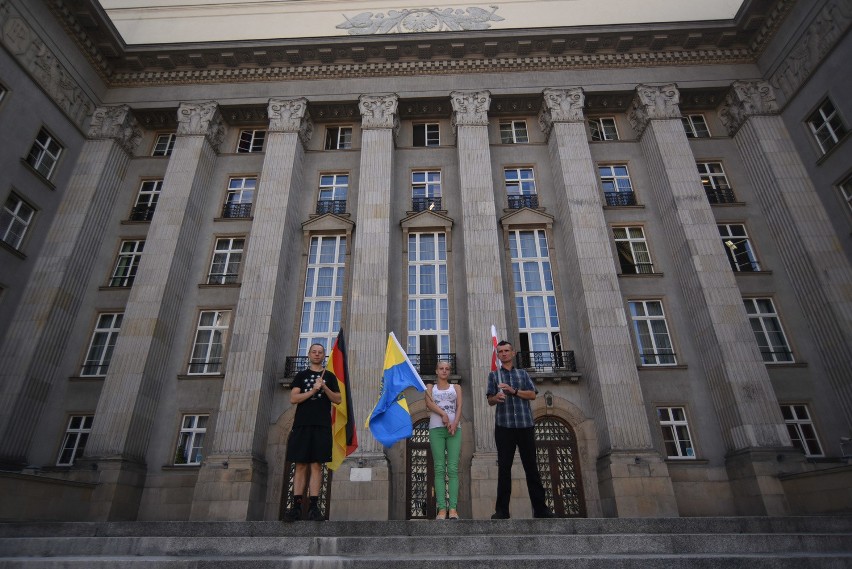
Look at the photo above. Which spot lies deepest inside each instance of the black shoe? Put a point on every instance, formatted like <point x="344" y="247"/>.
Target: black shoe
<point x="499" y="516"/>
<point x="544" y="514"/>
<point x="293" y="514"/>
<point x="315" y="515"/>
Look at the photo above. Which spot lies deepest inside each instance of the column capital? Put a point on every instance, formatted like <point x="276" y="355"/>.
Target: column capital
<point x="290" y="115"/>
<point x="561" y="105"/>
<point x="201" y="119"/>
<point x="379" y="111"/>
<point x="470" y="108"/>
<point x="118" y="123"/>
<point x="746" y="99"/>
<point x="651" y="103"/>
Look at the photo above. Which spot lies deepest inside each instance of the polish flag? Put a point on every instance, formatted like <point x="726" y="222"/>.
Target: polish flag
<point x="493" y="348"/>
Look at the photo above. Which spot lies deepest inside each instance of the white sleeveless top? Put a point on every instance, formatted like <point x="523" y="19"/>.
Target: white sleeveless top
<point x="446" y="400"/>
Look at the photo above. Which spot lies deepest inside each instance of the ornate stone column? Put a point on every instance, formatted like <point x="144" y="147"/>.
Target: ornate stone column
<point x="366" y="494"/>
<point x="745" y="403"/>
<point x="812" y="256"/>
<point x="130" y="394"/>
<point x="233" y="480"/>
<point x="608" y="363"/>
<point x="37" y="336"/>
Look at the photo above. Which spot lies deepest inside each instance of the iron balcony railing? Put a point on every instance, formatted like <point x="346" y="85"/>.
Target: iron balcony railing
<point x="422" y="204"/>
<point x="620" y="198"/>
<point x="776" y="355"/>
<point x="331" y="206"/>
<point x="425" y="364"/>
<point x="661" y="358"/>
<point x="236" y="210"/>
<point x="717" y="196"/>
<point x="142" y="212"/>
<point x="546" y="361"/>
<point x="221" y="278"/>
<point x="517" y="202"/>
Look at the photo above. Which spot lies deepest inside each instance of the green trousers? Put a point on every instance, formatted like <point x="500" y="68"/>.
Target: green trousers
<point x="446" y="466"/>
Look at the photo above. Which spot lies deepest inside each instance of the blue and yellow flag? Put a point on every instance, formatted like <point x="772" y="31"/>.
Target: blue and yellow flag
<point x="390" y="420"/>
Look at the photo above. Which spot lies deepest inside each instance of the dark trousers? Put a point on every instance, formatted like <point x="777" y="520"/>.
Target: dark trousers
<point x="507" y="440"/>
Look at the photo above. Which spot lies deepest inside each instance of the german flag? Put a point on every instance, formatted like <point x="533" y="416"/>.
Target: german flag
<point x="343" y="435"/>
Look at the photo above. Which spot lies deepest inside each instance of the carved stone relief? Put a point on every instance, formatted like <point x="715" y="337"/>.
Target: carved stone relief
<point x="651" y="103"/>
<point x="291" y="115"/>
<point x="419" y="20"/>
<point x="746" y="99"/>
<point x="561" y="105"/>
<point x="470" y="108"/>
<point x="117" y="123"/>
<point x="201" y="119"/>
<point x="379" y="111"/>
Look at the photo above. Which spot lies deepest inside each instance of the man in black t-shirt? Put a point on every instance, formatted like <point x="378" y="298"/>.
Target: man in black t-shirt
<point x="313" y="391"/>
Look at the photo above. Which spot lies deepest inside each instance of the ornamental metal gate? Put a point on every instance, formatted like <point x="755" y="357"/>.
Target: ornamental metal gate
<point x="559" y="466"/>
<point x="287" y="493"/>
<point x="420" y="484"/>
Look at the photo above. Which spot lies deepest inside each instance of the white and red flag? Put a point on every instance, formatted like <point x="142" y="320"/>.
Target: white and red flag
<point x="493" y="348"/>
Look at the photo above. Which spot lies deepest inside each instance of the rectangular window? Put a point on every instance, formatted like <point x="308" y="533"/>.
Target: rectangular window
<point x="240" y="197"/>
<point x="165" y="144"/>
<point x="251" y="141"/>
<point x="715" y="183"/>
<point x="652" y="333"/>
<point x="846" y="192"/>
<point x="425" y="189"/>
<point x="695" y="126"/>
<point x="513" y="132"/>
<point x="738" y="247"/>
<point x="767" y="330"/>
<point x="44" y="154"/>
<point x="15" y="220"/>
<point x="103" y="343"/>
<point x="208" y="349"/>
<point x="190" y="446"/>
<point x="675" y="432"/>
<point x="332" y="193"/>
<point x="633" y="255"/>
<point x="127" y="263"/>
<point x="227" y="257"/>
<point x="338" y="137"/>
<point x="146" y="200"/>
<point x="76" y="435"/>
<point x="615" y="179"/>
<point x="323" y="300"/>
<point x="801" y="429"/>
<point x="535" y="298"/>
<point x="2" y="92"/>
<point x="826" y="126"/>
<point x="428" y="298"/>
<point x="426" y="134"/>
<point x="603" y="128"/>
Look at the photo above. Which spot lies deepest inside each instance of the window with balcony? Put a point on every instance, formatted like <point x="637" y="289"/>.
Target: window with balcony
<point x="715" y="183"/>
<point x="332" y="193"/>
<point x="44" y="154"/>
<point x="164" y="144"/>
<point x="240" y="197"/>
<point x="227" y="258"/>
<point x="603" y="128"/>
<point x="251" y="141"/>
<point x="428" y="301"/>
<point x="801" y="429"/>
<point x="618" y="191"/>
<point x="127" y="263"/>
<point x="15" y="220"/>
<point x="535" y="299"/>
<point x="190" y="445"/>
<point x="74" y="443"/>
<point x="426" y="134"/>
<point x="323" y="299"/>
<point x="102" y="345"/>
<point x="633" y="254"/>
<point x="695" y="126"/>
<point x="208" y="349"/>
<point x="513" y="132"/>
<point x="520" y="187"/>
<point x="767" y="330"/>
<point x="827" y="126"/>
<point x="425" y="190"/>
<point x="676" y="436"/>
<point x="652" y="333"/>
<point x="146" y="200"/>
<point x="338" y="137"/>
<point x="738" y="247"/>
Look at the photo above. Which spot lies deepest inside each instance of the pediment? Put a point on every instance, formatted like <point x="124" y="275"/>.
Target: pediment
<point x="328" y="223"/>
<point x="526" y="217"/>
<point x="427" y="220"/>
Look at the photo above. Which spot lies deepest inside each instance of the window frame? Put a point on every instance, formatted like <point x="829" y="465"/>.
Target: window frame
<point x="210" y="363"/>
<point x="598" y="132"/>
<point x="795" y="423"/>
<point x="845" y="189"/>
<point x="256" y="142"/>
<point x="335" y="270"/>
<point x="676" y="439"/>
<point x="239" y="207"/>
<point x="767" y="348"/>
<point x="631" y="245"/>
<point x="78" y="433"/>
<point x="715" y="183"/>
<point x="516" y="129"/>
<point x="233" y="257"/>
<point x="99" y="356"/>
<point x="430" y="139"/>
<point x="167" y="147"/>
<point x="689" y="129"/>
<point x="617" y="188"/>
<point x="14" y="220"/>
<point x="656" y="352"/>
<point x="419" y="265"/>
<point x="36" y="156"/>
<point x="733" y="242"/>
<point x="192" y="431"/>
<point x="125" y="272"/>
<point x="153" y="198"/>
<point x="340" y="140"/>
<point x="836" y="133"/>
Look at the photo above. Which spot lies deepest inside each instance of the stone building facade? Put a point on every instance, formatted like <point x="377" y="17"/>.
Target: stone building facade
<point x="656" y="215"/>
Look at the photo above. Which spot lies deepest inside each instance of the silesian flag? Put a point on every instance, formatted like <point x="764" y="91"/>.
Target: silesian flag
<point x="493" y="348"/>
<point x="344" y="439"/>
<point x="390" y="420"/>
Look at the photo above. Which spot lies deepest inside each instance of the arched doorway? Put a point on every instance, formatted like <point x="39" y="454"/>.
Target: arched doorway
<point x="287" y="492"/>
<point x="559" y="466"/>
<point x="420" y="480"/>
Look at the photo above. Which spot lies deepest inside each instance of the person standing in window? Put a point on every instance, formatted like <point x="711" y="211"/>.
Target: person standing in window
<point x="309" y="445"/>
<point x="511" y="391"/>
<point x="444" y="401"/>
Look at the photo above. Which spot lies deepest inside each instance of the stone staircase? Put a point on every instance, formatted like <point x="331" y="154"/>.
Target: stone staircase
<point x="823" y="542"/>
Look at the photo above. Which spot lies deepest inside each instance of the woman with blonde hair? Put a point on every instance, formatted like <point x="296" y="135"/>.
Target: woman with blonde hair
<point x="444" y="401"/>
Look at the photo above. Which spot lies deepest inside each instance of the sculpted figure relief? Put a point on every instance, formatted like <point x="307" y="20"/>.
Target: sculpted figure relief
<point x="378" y="111"/>
<point x="470" y="107"/>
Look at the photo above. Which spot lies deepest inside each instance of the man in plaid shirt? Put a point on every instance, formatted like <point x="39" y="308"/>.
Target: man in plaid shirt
<point x="511" y="391"/>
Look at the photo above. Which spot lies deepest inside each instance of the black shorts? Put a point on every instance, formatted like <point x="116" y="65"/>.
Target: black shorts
<point x="311" y="443"/>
